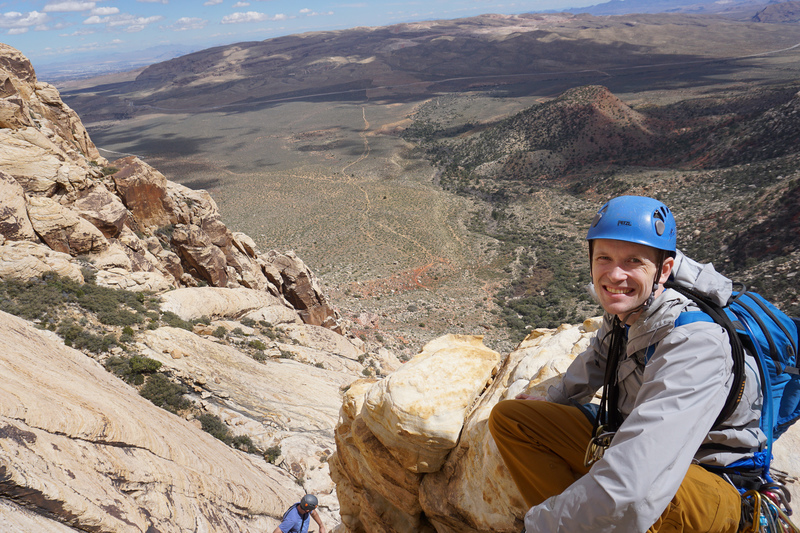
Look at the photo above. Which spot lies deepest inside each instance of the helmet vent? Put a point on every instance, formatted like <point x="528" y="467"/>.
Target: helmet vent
<point x="659" y="223"/>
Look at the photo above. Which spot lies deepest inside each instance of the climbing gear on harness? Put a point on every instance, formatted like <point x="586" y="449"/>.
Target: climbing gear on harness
<point x="608" y="417"/>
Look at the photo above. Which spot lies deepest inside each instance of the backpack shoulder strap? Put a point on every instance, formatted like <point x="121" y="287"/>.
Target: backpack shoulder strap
<point x="711" y="312"/>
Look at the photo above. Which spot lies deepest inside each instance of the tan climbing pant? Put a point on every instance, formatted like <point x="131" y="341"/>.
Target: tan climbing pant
<point x="543" y="446"/>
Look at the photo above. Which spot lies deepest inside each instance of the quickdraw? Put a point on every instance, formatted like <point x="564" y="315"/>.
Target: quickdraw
<point x="767" y="510"/>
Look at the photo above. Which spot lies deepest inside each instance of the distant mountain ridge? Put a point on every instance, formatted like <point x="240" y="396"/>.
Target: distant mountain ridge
<point x="627" y="7"/>
<point x="783" y="12"/>
<point x="417" y="60"/>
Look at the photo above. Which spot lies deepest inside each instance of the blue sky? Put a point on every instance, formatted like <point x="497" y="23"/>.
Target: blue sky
<point x="50" y="31"/>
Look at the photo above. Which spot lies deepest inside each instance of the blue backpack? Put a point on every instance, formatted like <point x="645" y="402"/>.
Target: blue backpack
<point x="771" y="337"/>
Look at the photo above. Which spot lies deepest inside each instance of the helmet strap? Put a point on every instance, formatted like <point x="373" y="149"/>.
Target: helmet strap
<point x="646" y="305"/>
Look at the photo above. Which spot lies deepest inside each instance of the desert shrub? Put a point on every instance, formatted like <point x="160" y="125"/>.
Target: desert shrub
<point x="244" y="443"/>
<point x="164" y="393"/>
<point x="257" y="344"/>
<point x="319" y="365"/>
<point x="220" y="332"/>
<point x="213" y="425"/>
<point x="272" y="454"/>
<point x="248" y="322"/>
<point x="132" y="369"/>
<point x="286" y="354"/>
<point x="69" y="330"/>
<point x="173" y="320"/>
<point x="127" y="335"/>
<point x="260" y="356"/>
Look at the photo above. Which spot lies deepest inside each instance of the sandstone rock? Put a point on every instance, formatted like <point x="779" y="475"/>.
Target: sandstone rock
<point x="318" y="357"/>
<point x="217" y="302"/>
<point x="119" y="278"/>
<point x="323" y="339"/>
<point x="416" y="413"/>
<point x="37" y="169"/>
<point x="112" y="257"/>
<point x="14" y="517"/>
<point x="108" y="460"/>
<point x="26" y="260"/>
<point x="63" y="230"/>
<point x="300" y="287"/>
<point x="103" y="209"/>
<point x="143" y="190"/>
<point x="295" y="397"/>
<point x="200" y="255"/>
<point x="387" y="361"/>
<point x="14" y="222"/>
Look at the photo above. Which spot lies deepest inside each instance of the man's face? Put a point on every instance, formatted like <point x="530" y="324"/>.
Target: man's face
<point x="623" y="274"/>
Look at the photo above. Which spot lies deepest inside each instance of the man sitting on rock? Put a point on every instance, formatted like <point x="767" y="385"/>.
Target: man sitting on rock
<point x="664" y="387"/>
<point x="296" y="518"/>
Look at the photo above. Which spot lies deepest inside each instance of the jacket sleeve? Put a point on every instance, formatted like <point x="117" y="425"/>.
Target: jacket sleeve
<point x="682" y="392"/>
<point x="585" y="374"/>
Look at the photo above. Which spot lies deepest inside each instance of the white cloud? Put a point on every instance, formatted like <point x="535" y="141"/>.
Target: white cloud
<point x="241" y="4"/>
<point x="66" y="7"/>
<point x="125" y="22"/>
<point x="305" y="10"/>
<point x="280" y="16"/>
<point x="154" y="1"/>
<point x="213" y="3"/>
<point x="14" y="19"/>
<point x="104" y="11"/>
<point x="17" y="31"/>
<point x="250" y="16"/>
<point x="94" y="19"/>
<point x="189" y="23"/>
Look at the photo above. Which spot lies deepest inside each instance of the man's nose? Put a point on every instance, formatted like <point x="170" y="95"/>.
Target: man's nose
<point x="617" y="273"/>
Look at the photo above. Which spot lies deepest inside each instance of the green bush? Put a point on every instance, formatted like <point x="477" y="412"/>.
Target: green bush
<point x="257" y="344"/>
<point x="220" y="332"/>
<point x="272" y="454"/>
<point x="132" y="369"/>
<point x="213" y="425"/>
<point x="173" y="320"/>
<point x="244" y="443"/>
<point x="165" y="394"/>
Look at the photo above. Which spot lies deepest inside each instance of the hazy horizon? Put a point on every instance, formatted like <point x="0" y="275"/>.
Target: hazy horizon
<point x="57" y="32"/>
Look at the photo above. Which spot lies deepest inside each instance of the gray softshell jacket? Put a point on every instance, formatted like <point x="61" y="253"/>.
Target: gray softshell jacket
<point x="669" y="403"/>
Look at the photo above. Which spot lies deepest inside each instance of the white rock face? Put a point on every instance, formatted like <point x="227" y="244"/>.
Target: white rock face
<point x="288" y="394"/>
<point x="26" y="260"/>
<point x="418" y="411"/>
<point x="77" y="441"/>
<point x="215" y="302"/>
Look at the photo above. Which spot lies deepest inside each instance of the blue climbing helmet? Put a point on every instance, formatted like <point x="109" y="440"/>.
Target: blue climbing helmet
<point x="636" y="219"/>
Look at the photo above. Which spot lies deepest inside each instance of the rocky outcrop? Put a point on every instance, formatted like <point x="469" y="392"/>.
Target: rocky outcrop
<point x="108" y="460"/>
<point x="413" y="450"/>
<point x="124" y="220"/>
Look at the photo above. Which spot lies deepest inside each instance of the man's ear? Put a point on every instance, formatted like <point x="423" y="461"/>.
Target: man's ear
<point x="666" y="269"/>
